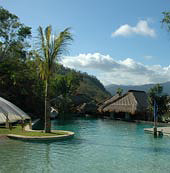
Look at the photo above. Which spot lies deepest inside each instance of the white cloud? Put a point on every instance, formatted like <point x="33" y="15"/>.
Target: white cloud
<point x="90" y="61"/>
<point x="109" y="71"/>
<point x="142" y="28"/>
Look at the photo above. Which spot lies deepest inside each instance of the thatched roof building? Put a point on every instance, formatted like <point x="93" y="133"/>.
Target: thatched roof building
<point x="107" y="102"/>
<point x="132" y="102"/>
<point x="87" y="108"/>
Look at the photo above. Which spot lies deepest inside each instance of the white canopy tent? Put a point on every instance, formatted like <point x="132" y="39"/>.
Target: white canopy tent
<point x="10" y="111"/>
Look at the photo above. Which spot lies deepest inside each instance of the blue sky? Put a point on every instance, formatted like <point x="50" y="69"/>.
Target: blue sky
<point x="119" y="41"/>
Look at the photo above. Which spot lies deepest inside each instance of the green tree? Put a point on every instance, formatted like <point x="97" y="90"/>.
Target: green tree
<point x="65" y="86"/>
<point x="156" y="94"/>
<point x="51" y="48"/>
<point x="19" y="81"/>
<point x="20" y="84"/>
<point x="119" y="91"/>
<point x="166" y="20"/>
<point x="13" y="35"/>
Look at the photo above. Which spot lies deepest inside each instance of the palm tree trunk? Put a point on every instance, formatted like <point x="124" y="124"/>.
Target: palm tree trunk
<point x="47" y="111"/>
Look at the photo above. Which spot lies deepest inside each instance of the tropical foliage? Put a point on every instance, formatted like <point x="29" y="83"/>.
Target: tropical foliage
<point x="156" y="95"/>
<point x="119" y="91"/>
<point x="13" y="35"/>
<point x="166" y="20"/>
<point x="22" y="69"/>
<point x="51" y="48"/>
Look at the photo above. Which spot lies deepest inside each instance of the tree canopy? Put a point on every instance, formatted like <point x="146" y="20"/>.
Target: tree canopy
<point x="156" y="94"/>
<point x="166" y="20"/>
<point x="119" y="91"/>
<point x="22" y="66"/>
<point x="13" y="35"/>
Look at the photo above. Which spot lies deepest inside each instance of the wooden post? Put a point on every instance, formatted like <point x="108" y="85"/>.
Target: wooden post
<point x="155" y="131"/>
<point x="30" y="124"/>
<point x="112" y="115"/>
<point x="22" y="124"/>
<point x="127" y="116"/>
<point x="10" y="126"/>
<point x="155" y="119"/>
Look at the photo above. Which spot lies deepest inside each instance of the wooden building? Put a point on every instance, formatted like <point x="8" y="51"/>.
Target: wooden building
<point x="131" y="105"/>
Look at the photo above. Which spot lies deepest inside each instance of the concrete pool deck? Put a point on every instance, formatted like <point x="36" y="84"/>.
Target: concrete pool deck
<point x="164" y="130"/>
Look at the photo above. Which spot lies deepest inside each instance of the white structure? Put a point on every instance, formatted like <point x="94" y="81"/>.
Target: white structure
<point x="53" y="113"/>
<point x="11" y="112"/>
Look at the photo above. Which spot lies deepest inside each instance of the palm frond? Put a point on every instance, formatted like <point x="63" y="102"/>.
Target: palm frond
<point x="61" y="42"/>
<point x="52" y="48"/>
<point x="41" y="39"/>
<point x="48" y="31"/>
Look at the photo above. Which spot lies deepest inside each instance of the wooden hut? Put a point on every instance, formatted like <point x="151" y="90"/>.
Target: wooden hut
<point x="89" y="108"/>
<point x="131" y="105"/>
<point x="107" y="102"/>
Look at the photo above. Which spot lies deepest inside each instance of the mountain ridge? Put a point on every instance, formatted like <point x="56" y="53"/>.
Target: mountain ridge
<point x="145" y="87"/>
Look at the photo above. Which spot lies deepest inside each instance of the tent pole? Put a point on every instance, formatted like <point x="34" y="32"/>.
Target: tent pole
<point x="7" y="121"/>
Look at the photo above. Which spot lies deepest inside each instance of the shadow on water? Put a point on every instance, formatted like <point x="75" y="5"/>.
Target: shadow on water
<point x="58" y="122"/>
<point x="64" y="122"/>
<point x="45" y="141"/>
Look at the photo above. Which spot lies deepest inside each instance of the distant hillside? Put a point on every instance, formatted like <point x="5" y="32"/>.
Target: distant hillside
<point x="112" y="88"/>
<point x="89" y="85"/>
<point x="93" y="88"/>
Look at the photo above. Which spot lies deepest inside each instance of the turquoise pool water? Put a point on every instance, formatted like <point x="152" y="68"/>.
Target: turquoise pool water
<point x="99" y="146"/>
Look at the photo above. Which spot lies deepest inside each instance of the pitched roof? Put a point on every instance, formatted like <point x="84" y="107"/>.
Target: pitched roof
<point x="133" y="102"/>
<point x="87" y="107"/>
<point x="107" y="102"/>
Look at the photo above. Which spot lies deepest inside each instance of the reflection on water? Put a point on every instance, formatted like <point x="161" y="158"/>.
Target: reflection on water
<point x="98" y="146"/>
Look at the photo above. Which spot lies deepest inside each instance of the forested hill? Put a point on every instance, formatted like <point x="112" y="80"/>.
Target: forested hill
<point x="89" y="85"/>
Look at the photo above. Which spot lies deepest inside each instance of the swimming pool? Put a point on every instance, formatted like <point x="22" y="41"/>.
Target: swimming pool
<point x="104" y="146"/>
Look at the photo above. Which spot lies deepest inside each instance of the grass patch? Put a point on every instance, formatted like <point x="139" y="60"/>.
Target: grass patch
<point x="17" y="130"/>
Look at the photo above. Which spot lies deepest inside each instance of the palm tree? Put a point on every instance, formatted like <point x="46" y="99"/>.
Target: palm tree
<point x="119" y="91"/>
<point x="51" y="47"/>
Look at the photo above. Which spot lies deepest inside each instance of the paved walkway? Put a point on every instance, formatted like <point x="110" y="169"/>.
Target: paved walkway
<point x="165" y="130"/>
